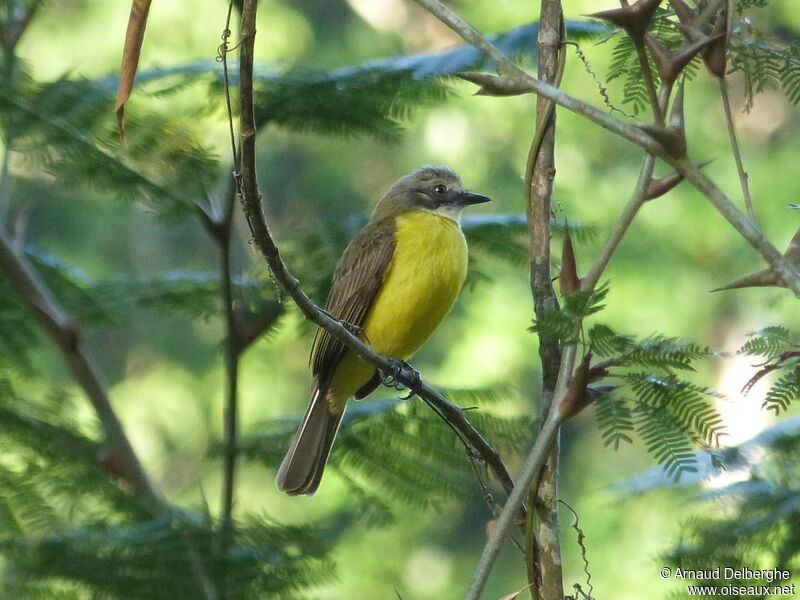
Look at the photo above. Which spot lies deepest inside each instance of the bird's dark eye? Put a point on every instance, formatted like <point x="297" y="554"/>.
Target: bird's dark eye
<point x="440" y="189"/>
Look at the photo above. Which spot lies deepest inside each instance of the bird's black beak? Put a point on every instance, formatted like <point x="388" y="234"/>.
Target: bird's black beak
<point x="465" y="198"/>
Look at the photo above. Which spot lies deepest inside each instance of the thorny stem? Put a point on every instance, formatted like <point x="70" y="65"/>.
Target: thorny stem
<point x="527" y="83"/>
<point x="253" y="211"/>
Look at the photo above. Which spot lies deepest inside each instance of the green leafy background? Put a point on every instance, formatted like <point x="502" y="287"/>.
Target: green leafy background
<point x="117" y="238"/>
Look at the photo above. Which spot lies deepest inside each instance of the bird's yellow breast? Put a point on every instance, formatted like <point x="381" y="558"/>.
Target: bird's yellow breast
<point x="420" y="286"/>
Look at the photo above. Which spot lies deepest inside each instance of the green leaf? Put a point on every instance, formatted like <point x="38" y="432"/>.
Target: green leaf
<point x="667" y="352"/>
<point x="665" y="439"/>
<point x="784" y="391"/>
<point x="605" y="341"/>
<point x="687" y="403"/>
<point x="769" y="342"/>
<point x="615" y="420"/>
<point x="583" y="304"/>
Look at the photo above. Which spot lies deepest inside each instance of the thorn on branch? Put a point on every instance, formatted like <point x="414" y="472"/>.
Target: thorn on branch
<point x="670" y="65"/>
<point x="661" y="185"/>
<point x="568" y="280"/>
<point x="634" y="19"/>
<point x="767" y="277"/>
<point x="577" y="397"/>
<point x="673" y="136"/>
<point x="715" y="54"/>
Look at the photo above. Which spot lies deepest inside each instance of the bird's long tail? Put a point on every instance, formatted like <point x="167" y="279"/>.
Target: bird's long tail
<point x="302" y="467"/>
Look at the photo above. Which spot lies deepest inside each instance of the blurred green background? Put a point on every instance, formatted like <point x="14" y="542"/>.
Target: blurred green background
<point x="164" y="368"/>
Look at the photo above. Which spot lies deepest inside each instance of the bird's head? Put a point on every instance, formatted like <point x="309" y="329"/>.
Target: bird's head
<point x="430" y="189"/>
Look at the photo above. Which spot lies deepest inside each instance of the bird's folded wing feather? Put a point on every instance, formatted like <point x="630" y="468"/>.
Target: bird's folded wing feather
<point x="355" y="285"/>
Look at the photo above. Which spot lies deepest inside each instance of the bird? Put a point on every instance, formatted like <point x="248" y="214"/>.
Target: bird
<point x="395" y="282"/>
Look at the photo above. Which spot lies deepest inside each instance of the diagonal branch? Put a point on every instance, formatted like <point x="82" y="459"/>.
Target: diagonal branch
<point x="253" y="211"/>
<point x="531" y="470"/>
<point x="521" y="82"/>
<point x="66" y="335"/>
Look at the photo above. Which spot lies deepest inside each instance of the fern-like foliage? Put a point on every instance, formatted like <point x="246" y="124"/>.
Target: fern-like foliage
<point x="67" y="527"/>
<point x="766" y="65"/>
<point x="372" y="98"/>
<point x="757" y="528"/>
<point x="665" y="438"/>
<point x="615" y="420"/>
<point x="172" y="556"/>
<point x="686" y="402"/>
<point x="769" y="342"/>
<point x="562" y="324"/>
<point x="65" y="127"/>
<point x="781" y="355"/>
<point x="784" y="391"/>
<point x="18" y="336"/>
<point x="670" y="414"/>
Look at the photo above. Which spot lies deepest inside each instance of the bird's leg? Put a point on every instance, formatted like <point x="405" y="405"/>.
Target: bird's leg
<point x="400" y="369"/>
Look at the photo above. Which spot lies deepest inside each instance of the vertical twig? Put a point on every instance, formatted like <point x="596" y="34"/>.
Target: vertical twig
<point x="737" y="155"/>
<point x="247" y="124"/>
<point x="232" y="354"/>
<point x="542" y="547"/>
<point x="644" y="64"/>
<point x="223" y="230"/>
<point x="639" y="197"/>
<point x="5" y="187"/>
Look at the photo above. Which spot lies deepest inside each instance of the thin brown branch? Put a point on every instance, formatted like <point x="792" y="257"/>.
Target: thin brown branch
<point x="554" y="416"/>
<point x="542" y="535"/>
<point x="253" y="211"/>
<point x="652" y="95"/>
<point x="232" y="354"/>
<point x="589" y="281"/>
<point x="119" y="458"/>
<point x="223" y="235"/>
<point x="737" y="155"/>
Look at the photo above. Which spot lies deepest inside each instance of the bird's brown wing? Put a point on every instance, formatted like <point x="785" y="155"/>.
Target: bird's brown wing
<point x="356" y="282"/>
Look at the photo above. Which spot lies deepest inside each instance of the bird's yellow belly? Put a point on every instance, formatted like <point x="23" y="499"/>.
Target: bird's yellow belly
<point x="420" y="287"/>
